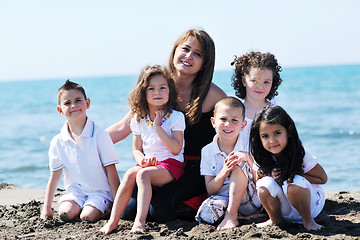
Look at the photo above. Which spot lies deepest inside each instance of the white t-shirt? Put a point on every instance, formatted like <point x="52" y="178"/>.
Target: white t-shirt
<point x="212" y="161"/>
<point x="85" y="159"/>
<point x="152" y="145"/>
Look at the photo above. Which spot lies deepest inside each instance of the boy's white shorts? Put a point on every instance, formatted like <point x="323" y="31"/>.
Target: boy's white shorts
<point x="288" y="212"/>
<point x="99" y="200"/>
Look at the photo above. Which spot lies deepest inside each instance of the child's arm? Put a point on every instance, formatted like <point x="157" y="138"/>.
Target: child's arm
<point x="121" y="129"/>
<point x="137" y="149"/>
<point x="173" y="143"/>
<point x="113" y="178"/>
<point x="248" y="158"/>
<point x="53" y="182"/>
<point x="213" y="184"/>
<point x="316" y="175"/>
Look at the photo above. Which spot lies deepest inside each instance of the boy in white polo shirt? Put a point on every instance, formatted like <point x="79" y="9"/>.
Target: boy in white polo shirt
<point x="89" y="157"/>
<point x="228" y="177"/>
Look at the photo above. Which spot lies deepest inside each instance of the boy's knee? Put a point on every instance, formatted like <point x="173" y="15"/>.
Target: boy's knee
<point x="66" y="217"/>
<point x="88" y="218"/>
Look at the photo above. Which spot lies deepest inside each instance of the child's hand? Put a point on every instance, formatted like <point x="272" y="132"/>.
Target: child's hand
<point x="275" y="173"/>
<point x="152" y="161"/>
<point x="230" y="164"/>
<point x="46" y="213"/>
<point x="240" y="156"/>
<point x="159" y="114"/>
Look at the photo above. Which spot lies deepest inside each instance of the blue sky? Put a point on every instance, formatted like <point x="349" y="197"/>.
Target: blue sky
<point x="42" y="39"/>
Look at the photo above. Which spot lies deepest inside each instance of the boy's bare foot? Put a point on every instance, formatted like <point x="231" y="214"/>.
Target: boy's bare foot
<point x="138" y="228"/>
<point x="266" y="223"/>
<point x="312" y="225"/>
<point x="228" y="223"/>
<point x="108" y="228"/>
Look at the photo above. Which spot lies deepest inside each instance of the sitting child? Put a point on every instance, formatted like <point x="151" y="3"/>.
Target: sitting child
<point x="228" y="177"/>
<point x="89" y="157"/>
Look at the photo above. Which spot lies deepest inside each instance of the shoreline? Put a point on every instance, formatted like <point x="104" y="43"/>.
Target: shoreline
<point x="20" y="219"/>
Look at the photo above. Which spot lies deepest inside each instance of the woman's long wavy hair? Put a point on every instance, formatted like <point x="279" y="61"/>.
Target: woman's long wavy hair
<point x="137" y="98"/>
<point x="246" y="62"/>
<point x="202" y="81"/>
<point x="290" y="160"/>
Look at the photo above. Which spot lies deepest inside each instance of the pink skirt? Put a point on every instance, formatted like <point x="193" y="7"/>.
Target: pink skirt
<point x="175" y="167"/>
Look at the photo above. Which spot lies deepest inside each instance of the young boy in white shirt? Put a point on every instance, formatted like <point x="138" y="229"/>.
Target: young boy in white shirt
<point x="228" y="177"/>
<point x="89" y="157"/>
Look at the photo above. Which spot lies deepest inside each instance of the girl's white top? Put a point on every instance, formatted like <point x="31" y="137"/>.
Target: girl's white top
<point x="152" y="145"/>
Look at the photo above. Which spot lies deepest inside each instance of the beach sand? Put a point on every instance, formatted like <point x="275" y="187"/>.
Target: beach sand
<point x="20" y="219"/>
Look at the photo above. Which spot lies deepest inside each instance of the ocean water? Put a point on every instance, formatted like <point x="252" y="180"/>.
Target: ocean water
<point x="323" y="101"/>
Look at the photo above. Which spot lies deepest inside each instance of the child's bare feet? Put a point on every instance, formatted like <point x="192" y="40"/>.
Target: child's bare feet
<point x="312" y="225"/>
<point x="266" y="223"/>
<point x="138" y="228"/>
<point x="108" y="227"/>
<point x="228" y="222"/>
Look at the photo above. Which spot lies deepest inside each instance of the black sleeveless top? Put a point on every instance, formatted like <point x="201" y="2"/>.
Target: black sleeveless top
<point x="198" y="135"/>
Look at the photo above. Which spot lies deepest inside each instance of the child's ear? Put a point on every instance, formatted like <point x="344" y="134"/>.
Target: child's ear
<point x="58" y="108"/>
<point x="87" y="101"/>
<point x="212" y="120"/>
<point x="243" y="125"/>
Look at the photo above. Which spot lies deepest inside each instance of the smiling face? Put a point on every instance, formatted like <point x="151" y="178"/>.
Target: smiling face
<point x="258" y="83"/>
<point x="157" y="92"/>
<point x="273" y="137"/>
<point x="188" y="57"/>
<point x="73" y="104"/>
<point x="228" y="121"/>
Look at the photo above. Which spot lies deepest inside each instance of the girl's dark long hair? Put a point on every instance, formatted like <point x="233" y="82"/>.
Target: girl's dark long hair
<point x="290" y="160"/>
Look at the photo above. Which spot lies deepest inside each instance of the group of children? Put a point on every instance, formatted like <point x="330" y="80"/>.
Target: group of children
<point x="256" y="161"/>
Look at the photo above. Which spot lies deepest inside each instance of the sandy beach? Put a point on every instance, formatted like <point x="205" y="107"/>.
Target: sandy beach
<point x="20" y="219"/>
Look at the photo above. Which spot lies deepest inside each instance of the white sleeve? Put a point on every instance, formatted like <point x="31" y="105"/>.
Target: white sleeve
<point x="206" y="162"/>
<point x="178" y="122"/>
<point x="309" y="162"/>
<point x="135" y="126"/>
<point x="54" y="156"/>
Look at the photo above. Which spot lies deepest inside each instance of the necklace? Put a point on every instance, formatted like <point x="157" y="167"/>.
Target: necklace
<point x="150" y="123"/>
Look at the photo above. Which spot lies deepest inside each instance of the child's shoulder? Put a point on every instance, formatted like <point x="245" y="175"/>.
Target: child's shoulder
<point x="210" y="147"/>
<point x="97" y="130"/>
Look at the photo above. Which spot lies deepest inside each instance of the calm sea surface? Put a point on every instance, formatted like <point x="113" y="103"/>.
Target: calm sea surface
<point x="323" y="101"/>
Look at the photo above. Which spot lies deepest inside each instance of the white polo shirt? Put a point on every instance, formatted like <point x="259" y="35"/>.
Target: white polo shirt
<point x="152" y="145"/>
<point x="85" y="159"/>
<point x="212" y="160"/>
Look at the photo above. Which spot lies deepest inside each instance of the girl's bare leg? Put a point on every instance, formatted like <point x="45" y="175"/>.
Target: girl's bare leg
<point x="300" y="199"/>
<point x="145" y="179"/>
<point x="237" y="187"/>
<point x="123" y="195"/>
<point x="272" y="207"/>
